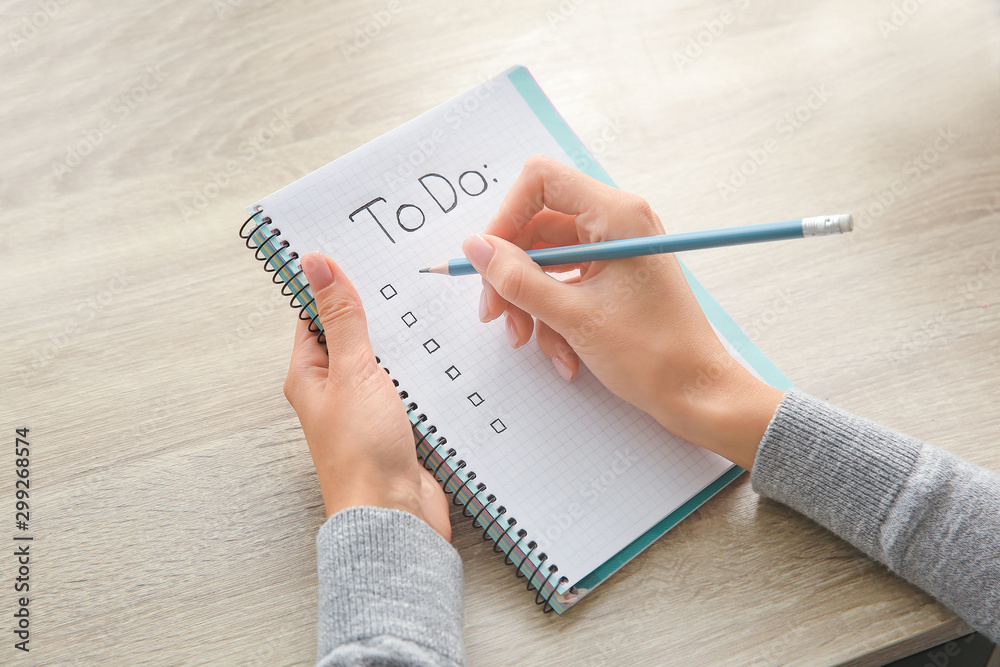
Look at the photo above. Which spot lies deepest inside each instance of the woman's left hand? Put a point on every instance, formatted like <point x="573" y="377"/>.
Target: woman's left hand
<point x="356" y="426"/>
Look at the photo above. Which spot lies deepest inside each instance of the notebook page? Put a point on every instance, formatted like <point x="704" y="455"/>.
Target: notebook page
<point x="583" y="472"/>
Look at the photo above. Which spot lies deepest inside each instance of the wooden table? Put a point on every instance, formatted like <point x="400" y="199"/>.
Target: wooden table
<point x="173" y="505"/>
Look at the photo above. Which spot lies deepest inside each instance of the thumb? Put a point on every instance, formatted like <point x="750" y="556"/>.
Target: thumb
<point x="520" y="281"/>
<point x="340" y="313"/>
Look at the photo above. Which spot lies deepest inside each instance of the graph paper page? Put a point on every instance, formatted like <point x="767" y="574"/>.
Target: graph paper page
<point x="582" y="472"/>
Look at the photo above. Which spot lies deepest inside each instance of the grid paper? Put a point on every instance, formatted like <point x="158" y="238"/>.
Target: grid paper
<point x="582" y="472"/>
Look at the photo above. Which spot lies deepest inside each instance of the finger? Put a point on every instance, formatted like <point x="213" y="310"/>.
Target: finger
<point x="547" y="228"/>
<point x="554" y="346"/>
<point x="519" y="281"/>
<point x="519" y="326"/>
<point x="342" y="317"/>
<point x="545" y="183"/>
<point x="308" y="365"/>
<point x="493" y="305"/>
<point x="308" y="354"/>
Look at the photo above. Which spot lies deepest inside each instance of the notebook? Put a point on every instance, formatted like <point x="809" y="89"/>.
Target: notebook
<point x="567" y="481"/>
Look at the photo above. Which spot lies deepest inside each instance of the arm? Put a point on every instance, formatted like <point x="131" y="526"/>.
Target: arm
<point x="930" y="516"/>
<point x="390" y="584"/>
<point x="390" y="591"/>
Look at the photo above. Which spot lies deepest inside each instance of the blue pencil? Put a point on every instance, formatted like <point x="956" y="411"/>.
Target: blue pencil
<point x="655" y="245"/>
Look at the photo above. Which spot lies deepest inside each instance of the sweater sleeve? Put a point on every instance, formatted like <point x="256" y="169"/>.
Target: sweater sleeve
<point x="390" y="591"/>
<point x="930" y="516"/>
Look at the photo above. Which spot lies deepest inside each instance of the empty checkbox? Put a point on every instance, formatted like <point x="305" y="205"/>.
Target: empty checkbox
<point x="498" y="426"/>
<point x="452" y="372"/>
<point x="432" y="346"/>
<point x="409" y="319"/>
<point x="475" y="398"/>
<point x="388" y="291"/>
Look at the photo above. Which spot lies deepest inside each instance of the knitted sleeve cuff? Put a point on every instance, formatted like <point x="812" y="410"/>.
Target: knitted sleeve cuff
<point x="385" y="573"/>
<point x="842" y="471"/>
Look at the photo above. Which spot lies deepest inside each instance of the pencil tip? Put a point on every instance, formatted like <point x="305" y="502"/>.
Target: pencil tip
<point x="437" y="268"/>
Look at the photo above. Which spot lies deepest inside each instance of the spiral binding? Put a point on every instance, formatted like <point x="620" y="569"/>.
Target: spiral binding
<point x="283" y="264"/>
<point x="449" y="471"/>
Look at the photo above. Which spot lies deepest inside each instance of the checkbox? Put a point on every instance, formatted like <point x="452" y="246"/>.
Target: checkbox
<point x="452" y="372"/>
<point x="409" y="319"/>
<point x="498" y="426"/>
<point x="432" y="346"/>
<point x="475" y="398"/>
<point x="388" y="291"/>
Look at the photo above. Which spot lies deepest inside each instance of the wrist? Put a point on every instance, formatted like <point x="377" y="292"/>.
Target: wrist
<point x="725" y="409"/>
<point x="361" y="487"/>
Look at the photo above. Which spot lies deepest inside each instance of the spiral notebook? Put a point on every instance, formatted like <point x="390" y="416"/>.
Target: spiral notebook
<point x="567" y="481"/>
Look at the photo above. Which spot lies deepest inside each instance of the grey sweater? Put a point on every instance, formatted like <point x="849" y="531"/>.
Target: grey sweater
<point x="390" y="588"/>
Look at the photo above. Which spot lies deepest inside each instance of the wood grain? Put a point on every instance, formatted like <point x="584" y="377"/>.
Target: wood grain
<point x="174" y="504"/>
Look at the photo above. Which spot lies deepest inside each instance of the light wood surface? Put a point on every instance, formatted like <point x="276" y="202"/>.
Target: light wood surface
<point x="173" y="503"/>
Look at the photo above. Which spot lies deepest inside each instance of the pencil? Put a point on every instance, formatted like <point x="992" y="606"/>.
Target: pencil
<point x="820" y="225"/>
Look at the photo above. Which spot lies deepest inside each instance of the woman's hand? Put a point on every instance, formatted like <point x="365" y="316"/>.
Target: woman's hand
<point x="634" y="322"/>
<point x="357" y="429"/>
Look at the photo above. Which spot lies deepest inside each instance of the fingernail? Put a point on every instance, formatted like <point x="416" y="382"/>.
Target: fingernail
<point x="479" y="252"/>
<point x="512" y="332"/>
<point x="562" y="368"/>
<point x="317" y="271"/>
<point x="482" y="306"/>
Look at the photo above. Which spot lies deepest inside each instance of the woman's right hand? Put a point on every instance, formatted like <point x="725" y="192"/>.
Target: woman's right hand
<point x="634" y="322"/>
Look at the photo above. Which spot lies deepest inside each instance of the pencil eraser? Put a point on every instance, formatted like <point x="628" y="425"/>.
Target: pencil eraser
<point x="821" y="225"/>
